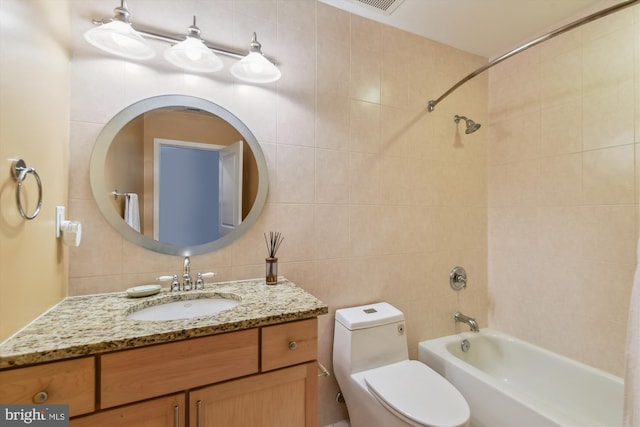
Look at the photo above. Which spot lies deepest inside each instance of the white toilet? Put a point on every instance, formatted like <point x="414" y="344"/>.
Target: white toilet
<point x="381" y="386"/>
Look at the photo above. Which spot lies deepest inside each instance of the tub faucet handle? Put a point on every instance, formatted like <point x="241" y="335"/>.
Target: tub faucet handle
<point x="458" y="278"/>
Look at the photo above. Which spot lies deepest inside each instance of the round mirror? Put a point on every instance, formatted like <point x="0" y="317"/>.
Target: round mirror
<point x="178" y="175"/>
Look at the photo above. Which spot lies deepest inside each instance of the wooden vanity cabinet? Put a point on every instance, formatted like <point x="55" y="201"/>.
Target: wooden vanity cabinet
<point x="260" y="377"/>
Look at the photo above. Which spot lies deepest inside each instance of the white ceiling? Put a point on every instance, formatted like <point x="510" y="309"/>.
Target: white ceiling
<point x="487" y="28"/>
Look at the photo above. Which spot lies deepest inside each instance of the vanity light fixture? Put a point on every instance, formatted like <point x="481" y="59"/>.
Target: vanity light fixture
<point x="191" y="53"/>
<point x="119" y="36"/>
<point x="254" y="67"/>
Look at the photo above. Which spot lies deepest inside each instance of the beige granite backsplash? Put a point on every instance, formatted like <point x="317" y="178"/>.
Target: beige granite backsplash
<point x="94" y="324"/>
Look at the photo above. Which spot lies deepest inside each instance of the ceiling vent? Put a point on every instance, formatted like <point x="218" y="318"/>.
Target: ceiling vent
<point x="385" y="7"/>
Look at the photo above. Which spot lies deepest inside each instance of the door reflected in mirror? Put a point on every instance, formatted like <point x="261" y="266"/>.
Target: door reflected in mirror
<point x="185" y="176"/>
<point x="204" y="178"/>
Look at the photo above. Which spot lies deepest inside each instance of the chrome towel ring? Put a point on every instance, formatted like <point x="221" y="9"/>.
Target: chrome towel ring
<point x="19" y="170"/>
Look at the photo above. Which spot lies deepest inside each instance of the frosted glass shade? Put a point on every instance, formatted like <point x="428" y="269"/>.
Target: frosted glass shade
<point x="192" y="55"/>
<point x="119" y="38"/>
<point x="255" y="68"/>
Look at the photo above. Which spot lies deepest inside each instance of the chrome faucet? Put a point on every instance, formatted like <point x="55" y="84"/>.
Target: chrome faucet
<point x="187" y="282"/>
<point x="459" y="317"/>
<point x="186" y="275"/>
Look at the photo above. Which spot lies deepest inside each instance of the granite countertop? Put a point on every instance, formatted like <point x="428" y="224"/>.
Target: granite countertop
<point x="95" y="324"/>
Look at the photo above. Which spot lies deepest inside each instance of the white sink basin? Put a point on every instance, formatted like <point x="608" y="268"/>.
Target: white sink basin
<point x="184" y="309"/>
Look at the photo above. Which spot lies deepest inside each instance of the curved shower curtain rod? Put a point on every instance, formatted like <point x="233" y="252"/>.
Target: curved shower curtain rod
<point x="604" y="12"/>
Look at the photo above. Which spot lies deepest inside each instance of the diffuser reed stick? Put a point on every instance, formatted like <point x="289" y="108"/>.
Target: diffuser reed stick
<point x="273" y="242"/>
<point x="271" y="262"/>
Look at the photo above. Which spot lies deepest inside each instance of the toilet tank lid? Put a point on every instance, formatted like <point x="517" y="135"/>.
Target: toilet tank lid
<point x="367" y="316"/>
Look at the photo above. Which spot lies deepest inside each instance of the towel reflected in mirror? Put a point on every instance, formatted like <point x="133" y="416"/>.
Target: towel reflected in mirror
<point x="132" y="211"/>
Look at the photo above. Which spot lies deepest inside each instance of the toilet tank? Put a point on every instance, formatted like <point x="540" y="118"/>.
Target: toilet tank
<point x="369" y="336"/>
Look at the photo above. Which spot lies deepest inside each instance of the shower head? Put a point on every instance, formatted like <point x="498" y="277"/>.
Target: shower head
<point x="471" y="125"/>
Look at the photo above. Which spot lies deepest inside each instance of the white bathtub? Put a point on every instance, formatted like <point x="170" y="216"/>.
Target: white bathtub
<point x="509" y="382"/>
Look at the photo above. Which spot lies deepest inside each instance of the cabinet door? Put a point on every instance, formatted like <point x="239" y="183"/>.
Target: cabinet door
<point x="161" y="412"/>
<point x="286" y="397"/>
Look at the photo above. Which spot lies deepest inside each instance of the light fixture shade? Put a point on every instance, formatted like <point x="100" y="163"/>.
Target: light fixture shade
<point x="255" y="68"/>
<point x="192" y="55"/>
<point x="119" y="38"/>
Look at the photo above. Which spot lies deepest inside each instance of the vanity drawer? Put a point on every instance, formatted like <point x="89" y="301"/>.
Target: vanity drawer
<point x="132" y="375"/>
<point x="70" y="382"/>
<point x="289" y="343"/>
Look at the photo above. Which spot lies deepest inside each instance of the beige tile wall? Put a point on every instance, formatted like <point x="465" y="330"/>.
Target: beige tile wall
<point x="563" y="190"/>
<point x="377" y="198"/>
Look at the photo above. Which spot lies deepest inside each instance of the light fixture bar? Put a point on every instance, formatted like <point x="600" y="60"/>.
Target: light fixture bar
<point x="171" y="38"/>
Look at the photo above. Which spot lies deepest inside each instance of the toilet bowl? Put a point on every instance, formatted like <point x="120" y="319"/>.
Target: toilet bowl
<point x="381" y="386"/>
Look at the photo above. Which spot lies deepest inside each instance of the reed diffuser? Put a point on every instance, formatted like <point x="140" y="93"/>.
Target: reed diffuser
<point x="271" y="262"/>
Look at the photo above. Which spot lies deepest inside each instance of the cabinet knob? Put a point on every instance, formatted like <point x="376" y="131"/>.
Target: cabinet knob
<point x="40" y="397"/>
<point x="293" y="345"/>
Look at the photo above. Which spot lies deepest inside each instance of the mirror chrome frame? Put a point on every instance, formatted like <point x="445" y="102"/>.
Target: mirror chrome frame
<point x="101" y="195"/>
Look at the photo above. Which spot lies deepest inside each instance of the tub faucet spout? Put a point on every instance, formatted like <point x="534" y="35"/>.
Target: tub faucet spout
<point x="459" y="317"/>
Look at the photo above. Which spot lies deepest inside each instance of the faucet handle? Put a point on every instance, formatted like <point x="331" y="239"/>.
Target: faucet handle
<point x="175" y="284"/>
<point x="200" y="282"/>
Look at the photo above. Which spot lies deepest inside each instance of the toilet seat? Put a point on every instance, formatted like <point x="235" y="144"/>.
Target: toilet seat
<point x="418" y="395"/>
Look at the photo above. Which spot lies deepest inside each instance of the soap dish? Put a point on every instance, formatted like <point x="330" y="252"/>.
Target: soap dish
<point x="143" y="290"/>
